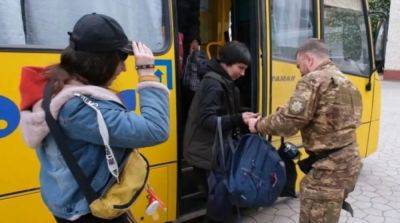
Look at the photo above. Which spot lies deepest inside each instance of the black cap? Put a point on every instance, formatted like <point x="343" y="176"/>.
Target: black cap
<point x="99" y="33"/>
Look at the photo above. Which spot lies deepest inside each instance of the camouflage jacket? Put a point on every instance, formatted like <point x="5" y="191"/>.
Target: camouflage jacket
<point x="325" y="107"/>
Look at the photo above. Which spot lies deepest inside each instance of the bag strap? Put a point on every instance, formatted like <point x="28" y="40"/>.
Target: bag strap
<point x="282" y="142"/>
<point x="221" y="142"/>
<point x="112" y="163"/>
<point x="218" y="142"/>
<point x="61" y="140"/>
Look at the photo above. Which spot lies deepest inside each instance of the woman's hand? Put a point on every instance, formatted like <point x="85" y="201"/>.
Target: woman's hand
<point x="246" y="116"/>
<point x="253" y="124"/>
<point x="143" y="56"/>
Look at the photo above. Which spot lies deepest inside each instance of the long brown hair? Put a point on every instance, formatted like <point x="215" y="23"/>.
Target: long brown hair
<point x="88" y="68"/>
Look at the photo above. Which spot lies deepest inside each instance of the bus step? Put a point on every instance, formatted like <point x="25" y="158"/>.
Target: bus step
<point x="197" y="194"/>
<point x="187" y="169"/>
<point x="191" y="215"/>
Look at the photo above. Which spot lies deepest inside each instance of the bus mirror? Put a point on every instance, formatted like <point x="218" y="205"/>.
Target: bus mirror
<point x="380" y="45"/>
<point x="380" y="38"/>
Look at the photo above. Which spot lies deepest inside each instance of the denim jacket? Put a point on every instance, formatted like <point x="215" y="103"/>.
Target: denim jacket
<point x="127" y="130"/>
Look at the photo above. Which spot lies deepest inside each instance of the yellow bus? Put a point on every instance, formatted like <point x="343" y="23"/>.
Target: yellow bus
<point x="34" y="32"/>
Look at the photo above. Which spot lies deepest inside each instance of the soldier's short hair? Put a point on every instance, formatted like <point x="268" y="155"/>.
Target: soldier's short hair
<point x="314" y="46"/>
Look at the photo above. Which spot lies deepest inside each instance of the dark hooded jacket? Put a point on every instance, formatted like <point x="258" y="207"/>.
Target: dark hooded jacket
<point x="215" y="97"/>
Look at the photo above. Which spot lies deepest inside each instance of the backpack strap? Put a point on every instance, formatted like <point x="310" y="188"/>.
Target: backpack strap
<point x="218" y="146"/>
<point x="220" y="141"/>
<point x="61" y="140"/>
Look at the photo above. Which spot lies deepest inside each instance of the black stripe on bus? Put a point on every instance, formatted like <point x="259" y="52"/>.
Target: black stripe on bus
<point x="18" y="193"/>
<point x="36" y="189"/>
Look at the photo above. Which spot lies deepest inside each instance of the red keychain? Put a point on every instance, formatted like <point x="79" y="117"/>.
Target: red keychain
<point x="154" y="204"/>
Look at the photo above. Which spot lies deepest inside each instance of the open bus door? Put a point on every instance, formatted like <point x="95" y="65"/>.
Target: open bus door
<point x="221" y="21"/>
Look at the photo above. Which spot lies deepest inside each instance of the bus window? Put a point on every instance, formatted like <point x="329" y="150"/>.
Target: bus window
<point x="292" y="23"/>
<point x="345" y="33"/>
<point x="45" y="23"/>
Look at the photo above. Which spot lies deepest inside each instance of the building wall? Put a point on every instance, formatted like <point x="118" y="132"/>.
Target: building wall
<point x="392" y="58"/>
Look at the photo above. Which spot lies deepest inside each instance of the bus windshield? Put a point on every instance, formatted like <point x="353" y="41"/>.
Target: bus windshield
<point x="45" y="23"/>
<point x="345" y="32"/>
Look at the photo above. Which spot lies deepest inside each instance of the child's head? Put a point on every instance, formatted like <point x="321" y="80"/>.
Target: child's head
<point x="235" y="58"/>
<point x="235" y="52"/>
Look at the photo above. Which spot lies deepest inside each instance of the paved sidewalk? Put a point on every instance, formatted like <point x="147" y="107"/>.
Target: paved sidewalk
<point x="376" y="198"/>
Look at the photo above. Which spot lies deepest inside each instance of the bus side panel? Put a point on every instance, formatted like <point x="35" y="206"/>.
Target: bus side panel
<point x="171" y="203"/>
<point x="34" y="210"/>
<point x="376" y="109"/>
<point x="159" y="181"/>
<point x="367" y="96"/>
<point x="375" y="116"/>
<point x="20" y="168"/>
<point x="25" y="208"/>
<point x="373" y="137"/>
<point x="285" y="76"/>
<point x="362" y="134"/>
<point x="367" y="101"/>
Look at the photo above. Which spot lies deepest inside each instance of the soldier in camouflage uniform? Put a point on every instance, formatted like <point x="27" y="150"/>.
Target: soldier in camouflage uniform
<point x="326" y="108"/>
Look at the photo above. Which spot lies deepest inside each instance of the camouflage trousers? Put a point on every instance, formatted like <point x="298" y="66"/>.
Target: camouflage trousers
<point x="324" y="188"/>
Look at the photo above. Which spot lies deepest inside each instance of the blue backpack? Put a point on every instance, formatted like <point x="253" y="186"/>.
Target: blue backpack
<point x="249" y="173"/>
<point x="257" y="174"/>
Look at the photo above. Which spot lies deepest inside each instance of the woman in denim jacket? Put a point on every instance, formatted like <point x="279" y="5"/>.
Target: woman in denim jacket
<point x="95" y="57"/>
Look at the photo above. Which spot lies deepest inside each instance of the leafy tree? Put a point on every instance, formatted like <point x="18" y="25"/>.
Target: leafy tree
<point x="379" y="6"/>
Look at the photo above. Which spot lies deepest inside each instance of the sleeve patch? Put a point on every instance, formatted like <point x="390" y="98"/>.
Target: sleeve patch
<point x="296" y="106"/>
